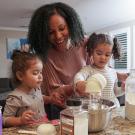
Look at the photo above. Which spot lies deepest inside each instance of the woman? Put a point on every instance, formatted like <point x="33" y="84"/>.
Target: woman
<point x="57" y="36"/>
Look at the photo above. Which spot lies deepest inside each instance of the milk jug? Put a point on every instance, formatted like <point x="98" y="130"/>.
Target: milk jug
<point x="130" y="96"/>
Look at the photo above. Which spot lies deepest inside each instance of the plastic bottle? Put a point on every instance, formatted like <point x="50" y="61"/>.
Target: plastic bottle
<point x="74" y="120"/>
<point x="130" y="96"/>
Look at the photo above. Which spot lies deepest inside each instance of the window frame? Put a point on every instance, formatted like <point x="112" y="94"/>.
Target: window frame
<point x="133" y="47"/>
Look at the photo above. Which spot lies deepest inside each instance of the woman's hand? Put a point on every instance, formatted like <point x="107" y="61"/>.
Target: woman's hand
<point x="55" y="98"/>
<point x="59" y="95"/>
<point x="58" y="98"/>
<point x="122" y="76"/>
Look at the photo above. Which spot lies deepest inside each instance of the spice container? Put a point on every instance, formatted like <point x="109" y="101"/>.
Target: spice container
<point x="130" y="96"/>
<point x="74" y="120"/>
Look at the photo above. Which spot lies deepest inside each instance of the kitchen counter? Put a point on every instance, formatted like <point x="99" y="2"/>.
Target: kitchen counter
<point x="118" y="126"/>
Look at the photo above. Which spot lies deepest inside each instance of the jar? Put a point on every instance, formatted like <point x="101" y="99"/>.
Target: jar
<point x="74" y="120"/>
<point x="130" y="96"/>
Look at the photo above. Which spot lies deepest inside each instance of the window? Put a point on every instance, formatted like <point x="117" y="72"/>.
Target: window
<point x="124" y="63"/>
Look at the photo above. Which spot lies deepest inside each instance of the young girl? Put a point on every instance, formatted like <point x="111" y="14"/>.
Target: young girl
<point x="100" y="48"/>
<point x="25" y="104"/>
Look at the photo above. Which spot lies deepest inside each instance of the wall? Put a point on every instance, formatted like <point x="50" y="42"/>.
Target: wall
<point x="5" y="33"/>
<point x="130" y="24"/>
<point x="96" y="14"/>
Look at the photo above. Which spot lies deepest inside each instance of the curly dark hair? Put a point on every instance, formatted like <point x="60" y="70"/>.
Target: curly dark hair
<point x="21" y="62"/>
<point x="96" y="39"/>
<point x="39" y="27"/>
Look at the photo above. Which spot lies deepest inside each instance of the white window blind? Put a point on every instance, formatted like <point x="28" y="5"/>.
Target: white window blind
<point x="124" y="63"/>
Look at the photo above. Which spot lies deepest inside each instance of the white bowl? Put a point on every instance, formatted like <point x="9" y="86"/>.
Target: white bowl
<point x="46" y="129"/>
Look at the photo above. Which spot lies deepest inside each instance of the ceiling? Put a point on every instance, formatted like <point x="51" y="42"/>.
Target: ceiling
<point x="95" y="14"/>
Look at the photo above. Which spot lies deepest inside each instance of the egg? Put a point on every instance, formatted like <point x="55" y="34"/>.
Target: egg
<point x="46" y="129"/>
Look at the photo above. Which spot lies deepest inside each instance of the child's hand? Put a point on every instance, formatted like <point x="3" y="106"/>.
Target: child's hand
<point x="27" y="117"/>
<point x="80" y="88"/>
